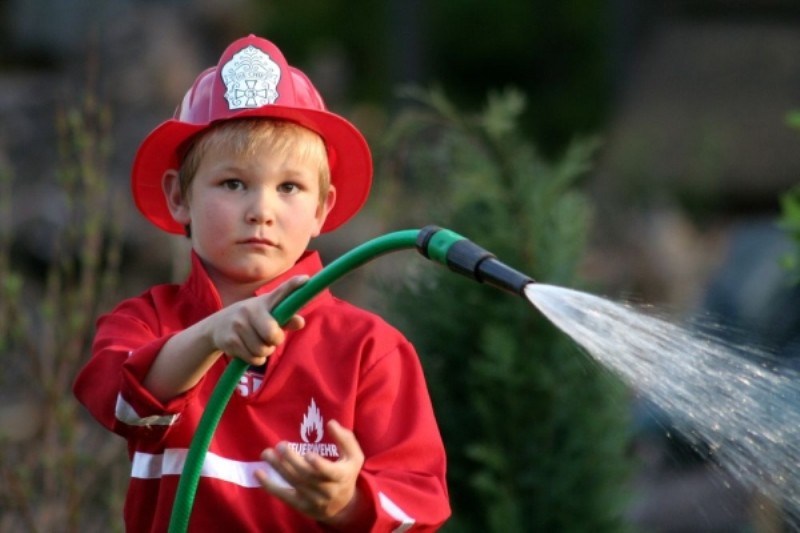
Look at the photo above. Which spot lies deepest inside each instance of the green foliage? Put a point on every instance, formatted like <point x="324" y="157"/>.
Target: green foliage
<point x="535" y="432"/>
<point x="557" y="52"/>
<point x="793" y="119"/>
<point x="305" y="29"/>
<point x="10" y="282"/>
<point x="58" y="470"/>
<point x="790" y="212"/>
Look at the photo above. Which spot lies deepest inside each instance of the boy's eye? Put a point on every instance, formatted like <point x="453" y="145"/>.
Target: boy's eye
<point x="233" y="184"/>
<point x="289" y="188"/>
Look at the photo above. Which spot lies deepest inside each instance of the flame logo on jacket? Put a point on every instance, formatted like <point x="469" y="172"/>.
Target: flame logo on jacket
<point x="311" y="429"/>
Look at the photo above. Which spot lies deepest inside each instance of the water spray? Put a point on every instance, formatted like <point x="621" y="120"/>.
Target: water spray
<point x="437" y="244"/>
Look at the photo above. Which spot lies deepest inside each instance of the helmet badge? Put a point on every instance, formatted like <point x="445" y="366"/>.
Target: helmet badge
<point x="251" y="79"/>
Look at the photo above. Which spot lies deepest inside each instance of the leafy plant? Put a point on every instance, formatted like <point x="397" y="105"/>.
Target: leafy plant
<point x="58" y="471"/>
<point x="535" y="432"/>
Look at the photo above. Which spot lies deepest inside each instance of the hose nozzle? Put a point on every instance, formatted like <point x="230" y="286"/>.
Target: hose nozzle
<point x="467" y="258"/>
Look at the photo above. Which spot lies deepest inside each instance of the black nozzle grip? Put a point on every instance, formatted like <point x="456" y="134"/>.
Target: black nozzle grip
<point x="502" y="276"/>
<point x="467" y="258"/>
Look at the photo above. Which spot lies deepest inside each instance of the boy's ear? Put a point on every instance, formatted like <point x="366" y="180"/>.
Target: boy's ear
<point x="325" y="208"/>
<point x="178" y="205"/>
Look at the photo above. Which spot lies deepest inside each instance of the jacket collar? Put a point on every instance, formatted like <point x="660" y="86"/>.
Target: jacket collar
<point x="201" y="289"/>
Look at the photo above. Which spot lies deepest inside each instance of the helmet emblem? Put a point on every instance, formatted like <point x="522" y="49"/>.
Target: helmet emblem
<point x="251" y="79"/>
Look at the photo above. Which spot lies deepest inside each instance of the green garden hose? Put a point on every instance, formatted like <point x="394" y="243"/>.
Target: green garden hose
<point x="440" y="245"/>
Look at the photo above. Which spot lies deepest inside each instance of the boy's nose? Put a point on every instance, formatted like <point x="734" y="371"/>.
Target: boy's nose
<point x="261" y="208"/>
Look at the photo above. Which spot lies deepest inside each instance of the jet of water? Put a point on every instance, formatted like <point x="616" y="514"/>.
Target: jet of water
<point x="740" y="403"/>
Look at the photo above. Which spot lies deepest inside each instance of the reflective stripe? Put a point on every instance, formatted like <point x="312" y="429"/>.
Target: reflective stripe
<point x="171" y="462"/>
<point x="241" y="473"/>
<point x="393" y="510"/>
<point x="127" y="414"/>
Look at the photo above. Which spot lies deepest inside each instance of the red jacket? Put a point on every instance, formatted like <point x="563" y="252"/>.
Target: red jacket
<point x="346" y="364"/>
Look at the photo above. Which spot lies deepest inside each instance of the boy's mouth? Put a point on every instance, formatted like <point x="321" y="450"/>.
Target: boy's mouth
<point x="258" y="242"/>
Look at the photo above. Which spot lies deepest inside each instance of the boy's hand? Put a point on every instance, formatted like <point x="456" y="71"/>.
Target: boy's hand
<point x="248" y="331"/>
<point x="325" y="490"/>
<point x="245" y="330"/>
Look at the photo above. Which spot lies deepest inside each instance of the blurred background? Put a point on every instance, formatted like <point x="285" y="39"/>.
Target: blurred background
<point x="687" y="105"/>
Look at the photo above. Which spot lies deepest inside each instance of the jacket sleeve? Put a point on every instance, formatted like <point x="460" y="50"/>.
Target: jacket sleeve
<point x="126" y="342"/>
<point x="404" y="472"/>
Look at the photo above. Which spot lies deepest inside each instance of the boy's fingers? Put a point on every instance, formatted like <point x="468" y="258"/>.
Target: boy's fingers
<point x="296" y="471"/>
<point x="288" y="495"/>
<point x="281" y="488"/>
<point x="256" y="348"/>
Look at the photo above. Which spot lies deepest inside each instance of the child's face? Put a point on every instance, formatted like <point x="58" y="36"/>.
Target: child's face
<point x="252" y="215"/>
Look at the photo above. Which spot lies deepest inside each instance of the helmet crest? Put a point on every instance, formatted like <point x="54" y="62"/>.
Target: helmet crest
<point x="251" y="79"/>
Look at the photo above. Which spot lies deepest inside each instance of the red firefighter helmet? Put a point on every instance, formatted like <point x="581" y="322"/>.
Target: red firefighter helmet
<point x="252" y="79"/>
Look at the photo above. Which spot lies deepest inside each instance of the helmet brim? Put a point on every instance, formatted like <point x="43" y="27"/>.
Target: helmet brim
<point x="348" y="156"/>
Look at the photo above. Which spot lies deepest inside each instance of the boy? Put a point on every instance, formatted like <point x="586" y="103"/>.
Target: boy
<point x="332" y="426"/>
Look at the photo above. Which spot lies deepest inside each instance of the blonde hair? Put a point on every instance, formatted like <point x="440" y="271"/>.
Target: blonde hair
<point x="249" y="135"/>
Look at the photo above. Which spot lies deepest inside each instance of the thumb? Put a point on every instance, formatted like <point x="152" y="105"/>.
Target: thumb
<point x="297" y="322"/>
<point x="285" y="289"/>
<point x="346" y="440"/>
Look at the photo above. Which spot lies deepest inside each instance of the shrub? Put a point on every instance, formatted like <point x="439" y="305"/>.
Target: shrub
<point x="535" y="432"/>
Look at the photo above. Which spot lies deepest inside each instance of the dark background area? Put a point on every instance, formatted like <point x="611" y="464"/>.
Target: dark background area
<point x="688" y="98"/>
